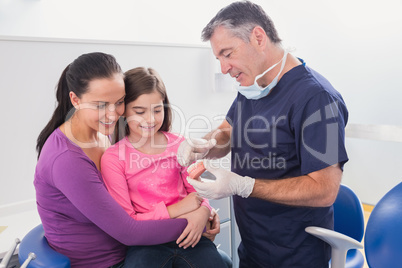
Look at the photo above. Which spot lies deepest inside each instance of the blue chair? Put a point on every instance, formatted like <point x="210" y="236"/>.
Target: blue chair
<point x="383" y="238"/>
<point x="349" y="221"/>
<point x="35" y="252"/>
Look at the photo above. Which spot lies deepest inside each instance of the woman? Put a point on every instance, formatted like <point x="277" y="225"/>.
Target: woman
<point x="80" y="218"/>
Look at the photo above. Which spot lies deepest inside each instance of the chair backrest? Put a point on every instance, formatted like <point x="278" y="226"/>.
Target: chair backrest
<point x="348" y="214"/>
<point x="383" y="239"/>
<point x="35" y="241"/>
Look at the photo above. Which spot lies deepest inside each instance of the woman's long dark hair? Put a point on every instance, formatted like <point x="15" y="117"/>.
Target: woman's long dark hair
<point x="139" y="81"/>
<point x="75" y="78"/>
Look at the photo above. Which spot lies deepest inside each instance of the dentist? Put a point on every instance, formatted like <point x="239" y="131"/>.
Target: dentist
<point x="286" y="134"/>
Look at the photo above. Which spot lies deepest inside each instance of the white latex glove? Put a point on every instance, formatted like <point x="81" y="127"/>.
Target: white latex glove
<point x="227" y="183"/>
<point x="191" y="150"/>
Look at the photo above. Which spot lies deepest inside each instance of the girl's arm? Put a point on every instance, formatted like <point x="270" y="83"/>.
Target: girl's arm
<point x="189" y="203"/>
<point x="113" y="172"/>
<point x="190" y="189"/>
<point x="78" y="179"/>
<point x="197" y="219"/>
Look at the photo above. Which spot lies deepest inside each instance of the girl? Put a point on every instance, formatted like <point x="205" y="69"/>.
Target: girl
<point x="80" y="218"/>
<point x="142" y="173"/>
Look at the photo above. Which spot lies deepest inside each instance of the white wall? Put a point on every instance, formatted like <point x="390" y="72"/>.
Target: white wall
<point x="176" y="21"/>
<point x="187" y="72"/>
<point x="355" y="44"/>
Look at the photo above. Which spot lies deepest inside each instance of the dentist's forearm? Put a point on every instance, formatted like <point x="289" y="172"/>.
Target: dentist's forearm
<point x="316" y="189"/>
<point x="222" y="136"/>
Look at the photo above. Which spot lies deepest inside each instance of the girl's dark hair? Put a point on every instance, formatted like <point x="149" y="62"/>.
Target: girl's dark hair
<point x="139" y="81"/>
<point x="75" y="78"/>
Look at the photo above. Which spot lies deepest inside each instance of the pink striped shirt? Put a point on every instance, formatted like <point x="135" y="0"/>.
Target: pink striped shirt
<point x="144" y="185"/>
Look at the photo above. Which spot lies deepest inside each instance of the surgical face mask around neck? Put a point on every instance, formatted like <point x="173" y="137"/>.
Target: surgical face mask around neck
<point x="255" y="91"/>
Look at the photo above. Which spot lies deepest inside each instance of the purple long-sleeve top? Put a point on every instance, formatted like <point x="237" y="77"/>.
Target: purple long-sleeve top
<point x="80" y="218"/>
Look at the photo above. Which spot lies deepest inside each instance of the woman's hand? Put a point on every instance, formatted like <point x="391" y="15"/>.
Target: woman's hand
<point x="188" y="204"/>
<point x="196" y="222"/>
<point x="213" y="226"/>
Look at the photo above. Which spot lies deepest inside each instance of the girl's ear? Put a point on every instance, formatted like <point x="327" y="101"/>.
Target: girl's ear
<point x="75" y="101"/>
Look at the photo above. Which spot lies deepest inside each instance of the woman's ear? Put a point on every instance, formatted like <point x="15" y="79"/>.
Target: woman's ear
<point x="75" y="101"/>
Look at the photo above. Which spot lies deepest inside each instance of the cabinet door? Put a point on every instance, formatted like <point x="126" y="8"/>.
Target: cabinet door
<point x="235" y="242"/>
<point x="223" y="207"/>
<point x="223" y="240"/>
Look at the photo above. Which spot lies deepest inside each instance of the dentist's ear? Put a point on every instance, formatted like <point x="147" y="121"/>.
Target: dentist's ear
<point x="259" y="36"/>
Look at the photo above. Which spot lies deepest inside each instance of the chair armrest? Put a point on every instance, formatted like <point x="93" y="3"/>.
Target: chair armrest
<point x="340" y="244"/>
<point x="6" y="259"/>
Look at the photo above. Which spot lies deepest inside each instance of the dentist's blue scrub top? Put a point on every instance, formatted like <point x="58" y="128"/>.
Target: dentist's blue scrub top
<point x="297" y="129"/>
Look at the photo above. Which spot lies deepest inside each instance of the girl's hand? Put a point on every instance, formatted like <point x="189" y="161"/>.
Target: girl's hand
<point x="188" y="204"/>
<point x="213" y="226"/>
<point x="197" y="221"/>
